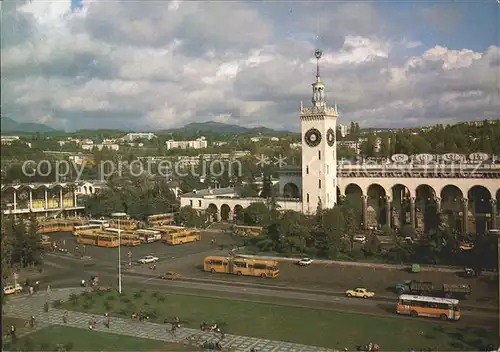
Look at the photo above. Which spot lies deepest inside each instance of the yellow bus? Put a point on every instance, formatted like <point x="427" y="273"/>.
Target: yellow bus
<point x="160" y="219"/>
<point x="423" y="306"/>
<point x="247" y="231"/>
<point x="127" y="238"/>
<point x="55" y="226"/>
<point x="78" y="229"/>
<point x="125" y="224"/>
<point x="97" y="239"/>
<point x="130" y="240"/>
<point x="184" y="236"/>
<point x="165" y="231"/>
<point x="242" y="266"/>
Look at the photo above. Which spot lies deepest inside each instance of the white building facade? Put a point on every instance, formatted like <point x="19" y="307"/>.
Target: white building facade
<point x="392" y="192"/>
<point x="199" y="143"/>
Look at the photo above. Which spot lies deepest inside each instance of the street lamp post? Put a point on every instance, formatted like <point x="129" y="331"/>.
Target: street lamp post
<point x="119" y="258"/>
<point x="118" y="216"/>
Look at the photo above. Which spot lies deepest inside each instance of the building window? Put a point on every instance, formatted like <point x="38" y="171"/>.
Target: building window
<point x="307" y="170"/>
<point x="191" y="203"/>
<point x="307" y="197"/>
<point x="319" y="184"/>
<point x="327" y="169"/>
<point x="199" y="203"/>
<point x="328" y="198"/>
<point x="319" y="154"/>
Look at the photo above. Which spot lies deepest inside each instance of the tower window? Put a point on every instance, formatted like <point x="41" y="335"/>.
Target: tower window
<point x="307" y="169"/>
<point x="307" y="197"/>
<point x="319" y="154"/>
<point x="319" y="184"/>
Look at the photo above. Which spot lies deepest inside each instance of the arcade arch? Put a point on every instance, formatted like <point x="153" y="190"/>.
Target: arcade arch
<point x="291" y="190"/>
<point x="479" y="209"/>
<point x="426" y="208"/>
<point x="403" y="206"/>
<point x="452" y="206"/>
<point x="376" y="206"/>
<point x="225" y="212"/>
<point x="212" y="212"/>
<point x="238" y="213"/>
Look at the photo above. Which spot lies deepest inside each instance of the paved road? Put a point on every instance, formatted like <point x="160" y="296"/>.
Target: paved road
<point x="24" y="306"/>
<point x="259" y="293"/>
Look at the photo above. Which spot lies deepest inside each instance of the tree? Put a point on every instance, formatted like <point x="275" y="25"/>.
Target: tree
<point x="188" y="217"/>
<point x="256" y="214"/>
<point x="385" y="147"/>
<point x="267" y="186"/>
<point x="368" y="146"/>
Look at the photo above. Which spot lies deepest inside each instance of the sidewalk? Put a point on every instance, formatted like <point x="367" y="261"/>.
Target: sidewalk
<point x="24" y="306"/>
<point x="423" y="267"/>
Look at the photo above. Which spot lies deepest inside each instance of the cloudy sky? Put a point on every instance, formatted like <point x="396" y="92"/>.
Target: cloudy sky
<point x="157" y="64"/>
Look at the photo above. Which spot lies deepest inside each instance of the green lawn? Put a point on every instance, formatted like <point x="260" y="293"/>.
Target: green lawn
<point x="299" y="325"/>
<point x="74" y="339"/>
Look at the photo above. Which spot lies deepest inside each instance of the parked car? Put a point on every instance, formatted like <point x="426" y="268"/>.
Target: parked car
<point x="359" y="292"/>
<point x="11" y="289"/>
<point x="359" y="238"/>
<point x="305" y="262"/>
<point x="148" y="259"/>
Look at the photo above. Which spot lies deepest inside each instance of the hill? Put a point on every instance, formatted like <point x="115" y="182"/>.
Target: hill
<point x="9" y="126"/>
<point x="212" y="127"/>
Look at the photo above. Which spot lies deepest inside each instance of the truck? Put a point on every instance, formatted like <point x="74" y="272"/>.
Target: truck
<point x="429" y="289"/>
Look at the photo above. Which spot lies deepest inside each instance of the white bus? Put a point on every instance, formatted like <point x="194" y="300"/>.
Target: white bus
<point x="433" y="307"/>
<point x="148" y="236"/>
<point x="102" y="223"/>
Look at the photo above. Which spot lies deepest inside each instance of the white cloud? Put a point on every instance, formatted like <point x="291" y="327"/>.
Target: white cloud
<point x="156" y="66"/>
<point x="413" y="44"/>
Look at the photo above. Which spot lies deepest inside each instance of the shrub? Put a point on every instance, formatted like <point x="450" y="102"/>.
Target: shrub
<point x="123" y="312"/>
<point x="137" y="295"/>
<point x="357" y="254"/>
<point x="155" y="294"/>
<point x="86" y="305"/>
<point x="68" y="346"/>
<point x="108" y="305"/>
<point x="28" y="345"/>
<point x="124" y="299"/>
<point x="161" y="298"/>
<point x="73" y="297"/>
<point x="44" y="346"/>
<point x="57" y="304"/>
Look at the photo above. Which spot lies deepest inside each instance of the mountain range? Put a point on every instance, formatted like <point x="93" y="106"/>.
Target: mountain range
<point x="211" y="127"/>
<point x="9" y="126"/>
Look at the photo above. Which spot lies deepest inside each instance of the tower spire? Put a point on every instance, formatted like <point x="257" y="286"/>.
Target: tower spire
<point x="318" y="98"/>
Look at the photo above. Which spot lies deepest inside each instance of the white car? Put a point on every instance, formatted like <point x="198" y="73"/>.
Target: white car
<point x="359" y="238"/>
<point x="148" y="259"/>
<point x="305" y="262"/>
<point x="11" y="289"/>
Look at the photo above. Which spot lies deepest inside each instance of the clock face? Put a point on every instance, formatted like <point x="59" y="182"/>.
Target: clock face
<point x="313" y="137"/>
<point x="330" y="137"/>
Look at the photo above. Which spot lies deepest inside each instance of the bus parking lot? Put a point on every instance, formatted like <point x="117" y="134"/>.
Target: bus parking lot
<point x="187" y="260"/>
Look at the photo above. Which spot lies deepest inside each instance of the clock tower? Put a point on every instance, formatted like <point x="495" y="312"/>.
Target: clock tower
<point x="319" y="149"/>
